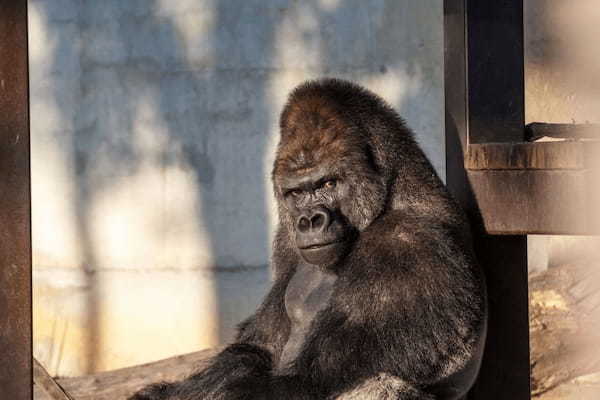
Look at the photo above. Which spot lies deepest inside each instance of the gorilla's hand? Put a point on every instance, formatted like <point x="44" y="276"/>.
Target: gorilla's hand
<point x="157" y="391"/>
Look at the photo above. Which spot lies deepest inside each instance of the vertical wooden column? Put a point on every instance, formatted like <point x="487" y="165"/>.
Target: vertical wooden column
<point x="485" y="103"/>
<point x="15" y="205"/>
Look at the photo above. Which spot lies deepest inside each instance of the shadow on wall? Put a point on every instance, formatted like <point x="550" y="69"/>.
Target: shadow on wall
<point x="153" y="126"/>
<point x="562" y="63"/>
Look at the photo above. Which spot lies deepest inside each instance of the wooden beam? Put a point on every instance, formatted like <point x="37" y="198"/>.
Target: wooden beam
<point x="536" y="188"/>
<point x="484" y="100"/>
<point x="550" y="202"/>
<point x="15" y="205"/>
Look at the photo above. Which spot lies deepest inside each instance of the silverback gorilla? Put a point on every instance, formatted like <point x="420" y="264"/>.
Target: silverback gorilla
<point x="377" y="293"/>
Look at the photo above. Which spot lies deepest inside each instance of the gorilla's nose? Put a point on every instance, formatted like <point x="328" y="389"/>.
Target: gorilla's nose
<point x="313" y="221"/>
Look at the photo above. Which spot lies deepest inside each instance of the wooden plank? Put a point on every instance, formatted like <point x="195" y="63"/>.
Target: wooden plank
<point x="15" y="205"/>
<point x="52" y="389"/>
<point x="122" y="383"/>
<point x="527" y="155"/>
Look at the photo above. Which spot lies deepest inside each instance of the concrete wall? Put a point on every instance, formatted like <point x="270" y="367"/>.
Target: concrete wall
<point x="562" y="84"/>
<point x="153" y="124"/>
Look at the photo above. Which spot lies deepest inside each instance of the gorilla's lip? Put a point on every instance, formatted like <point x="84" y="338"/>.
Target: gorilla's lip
<point x="320" y="245"/>
<point x="323" y="253"/>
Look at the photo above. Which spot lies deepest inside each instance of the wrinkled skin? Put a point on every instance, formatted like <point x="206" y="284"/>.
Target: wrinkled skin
<point x="377" y="294"/>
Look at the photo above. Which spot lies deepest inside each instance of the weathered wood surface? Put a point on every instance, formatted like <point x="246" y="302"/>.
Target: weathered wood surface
<point x="537" y="201"/>
<point x="122" y="383"/>
<point x="42" y="380"/>
<point x="537" y="155"/>
<point x="536" y="188"/>
<point x="536" y="130"/>
<point x="525" y="155"/>
<point x="564" y="322"/>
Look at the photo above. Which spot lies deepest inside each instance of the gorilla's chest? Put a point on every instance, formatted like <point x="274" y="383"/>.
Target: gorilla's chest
<point x="307" y="293"/>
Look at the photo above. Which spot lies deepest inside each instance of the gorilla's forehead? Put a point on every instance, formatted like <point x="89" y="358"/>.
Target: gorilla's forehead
<point x="314" y="149"/>
<point x="313" y="110"/>
<point x="307" y="176"/>
<point x="325" y="161"/>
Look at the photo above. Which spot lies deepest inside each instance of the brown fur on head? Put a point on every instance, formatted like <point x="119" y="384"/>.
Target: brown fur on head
<point x="313" y="130"/>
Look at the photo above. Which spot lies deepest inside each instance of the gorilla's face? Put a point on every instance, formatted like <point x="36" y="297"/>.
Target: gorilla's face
<point x="327" y="182"/>
<point x="314" y="199"/>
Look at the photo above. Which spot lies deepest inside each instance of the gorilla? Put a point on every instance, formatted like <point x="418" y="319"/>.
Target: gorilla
<point x="377" y="293"/>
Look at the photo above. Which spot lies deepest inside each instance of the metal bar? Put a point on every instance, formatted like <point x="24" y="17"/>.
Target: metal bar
<point x="485" y="103"/>
<point x="537" y="130"/>
<point x="15" y="205"/>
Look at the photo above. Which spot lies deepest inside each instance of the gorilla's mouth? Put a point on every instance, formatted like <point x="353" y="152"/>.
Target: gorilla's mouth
<point x="319" y="245"/>
<point x="323" y="253"/>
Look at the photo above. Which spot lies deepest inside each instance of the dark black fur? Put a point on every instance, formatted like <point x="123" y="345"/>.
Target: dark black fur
<point x="400" y="312"/>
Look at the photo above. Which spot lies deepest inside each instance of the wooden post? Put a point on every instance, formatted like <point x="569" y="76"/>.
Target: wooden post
<point x="15" y="205"/>
<point x="485" y="103"/>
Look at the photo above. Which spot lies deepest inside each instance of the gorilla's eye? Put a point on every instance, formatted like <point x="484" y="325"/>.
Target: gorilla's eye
<point x="294" y="192"/>
<point x="330" y="184"/>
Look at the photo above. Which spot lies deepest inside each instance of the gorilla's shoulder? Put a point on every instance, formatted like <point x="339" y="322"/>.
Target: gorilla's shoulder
<point x="401" y="242"/>
<point x="398" y="226"/>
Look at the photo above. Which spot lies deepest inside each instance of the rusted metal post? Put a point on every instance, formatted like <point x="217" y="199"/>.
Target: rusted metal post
<point x="15" y="205"/>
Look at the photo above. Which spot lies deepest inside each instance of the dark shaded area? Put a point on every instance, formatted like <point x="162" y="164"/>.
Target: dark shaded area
<point x="484" y="107"/>
<point x="15" y="205"/>
<point x="495" y="71"/>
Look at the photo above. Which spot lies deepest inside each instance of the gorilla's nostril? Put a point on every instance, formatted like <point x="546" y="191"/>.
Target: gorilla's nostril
<point x="313" y="221"/>
<point x="303" y="224"/>
<point x="317" y="221"/>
